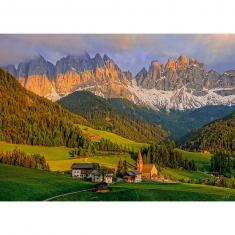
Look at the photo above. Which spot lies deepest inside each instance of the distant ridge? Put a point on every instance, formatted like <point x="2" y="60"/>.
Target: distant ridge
<point x="104" y="116"/>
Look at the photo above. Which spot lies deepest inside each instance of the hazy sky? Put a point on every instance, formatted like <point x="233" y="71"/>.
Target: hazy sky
<point x="130" y="52"/>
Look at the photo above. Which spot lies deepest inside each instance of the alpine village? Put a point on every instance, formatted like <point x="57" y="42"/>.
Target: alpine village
<point x="83" y="129"/>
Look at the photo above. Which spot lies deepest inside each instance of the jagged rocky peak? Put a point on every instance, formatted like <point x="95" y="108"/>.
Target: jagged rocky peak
<point x="142" y="73"/>
<point x="106" y="58"/>
<point x="155" y="70"/>
<point x="78" y="63"/>
<point x="98" y="61"/>
<point x="39" y="66"/>
<point x="36" y="66"/>
<point x="182" y="62"/>
<point x="171" y="64"/>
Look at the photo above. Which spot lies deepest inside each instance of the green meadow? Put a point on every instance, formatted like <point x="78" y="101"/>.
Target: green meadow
<point x="60" y="160"/>
<point x="198" y="157"/>
<point x="50" y="153"/>
<point x="110" y="161"/>
<point x="98" y="134"/>
<point x="178" y="174"/>
<point x="150" y="191"/>
<point x="24" y="184"/>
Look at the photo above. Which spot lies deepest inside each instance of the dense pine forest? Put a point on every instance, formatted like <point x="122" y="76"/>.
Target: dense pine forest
<point x="165" y="155"/>
<point x="26" y="118"/>
<point x="218" y="135"/>
<point x="104" y="116"/>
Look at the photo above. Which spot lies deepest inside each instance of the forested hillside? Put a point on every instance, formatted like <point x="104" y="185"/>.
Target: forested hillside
<point x="29" y="119"/>
<point x="104" y="116"/>
<point x="216" y="136"/>
<point x="177" y="123"/>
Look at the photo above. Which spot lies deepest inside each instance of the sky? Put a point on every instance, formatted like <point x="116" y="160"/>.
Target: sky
<point x="130" y="52"/>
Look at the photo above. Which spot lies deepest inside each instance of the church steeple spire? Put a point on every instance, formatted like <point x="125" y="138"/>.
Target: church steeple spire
<point x="139" y="162"/>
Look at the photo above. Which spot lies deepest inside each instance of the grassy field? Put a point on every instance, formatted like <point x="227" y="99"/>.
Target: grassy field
<point x="96" y="135"/>
<point x="147" y="191"/>
<point x="110" y="161"/>
<point x="176" y="174"/>
<point x="50" y="153"/>
<point x="60" y="160"/>
<point x="198" y="157"/>
<point x="24" y="184"/>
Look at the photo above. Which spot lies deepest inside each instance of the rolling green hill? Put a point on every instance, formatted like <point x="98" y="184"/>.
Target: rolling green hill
<point x="218" y="135"/>
<point x="26" y="118"/>
<point x="24" y="184"/>
<point x="104" y="116"/>
<point x="96" y="135"/>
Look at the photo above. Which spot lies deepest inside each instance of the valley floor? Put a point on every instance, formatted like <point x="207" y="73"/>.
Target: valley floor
<point x="23" y="184"/>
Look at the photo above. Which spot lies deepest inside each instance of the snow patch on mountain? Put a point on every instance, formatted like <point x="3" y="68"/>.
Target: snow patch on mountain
<point x="179" y="99"/>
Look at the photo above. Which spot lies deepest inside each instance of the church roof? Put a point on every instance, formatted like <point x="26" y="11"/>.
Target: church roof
<point x="147" y="168"/>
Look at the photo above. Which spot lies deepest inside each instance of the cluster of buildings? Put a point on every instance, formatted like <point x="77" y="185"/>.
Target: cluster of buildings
<point x="93" y="172"/>
<point x="97" y="175"/>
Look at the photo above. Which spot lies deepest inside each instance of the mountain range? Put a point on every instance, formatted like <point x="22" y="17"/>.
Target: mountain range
<point x="179" y="84"/>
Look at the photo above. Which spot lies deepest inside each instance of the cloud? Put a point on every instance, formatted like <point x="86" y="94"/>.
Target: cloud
<point x="130" y="51"/>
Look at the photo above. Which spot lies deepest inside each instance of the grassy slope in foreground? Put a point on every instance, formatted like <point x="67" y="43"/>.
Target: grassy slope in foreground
<point x="147" y="191"/>
<point x="24" y="184"/>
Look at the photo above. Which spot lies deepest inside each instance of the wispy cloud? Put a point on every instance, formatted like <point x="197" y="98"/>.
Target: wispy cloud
<point x="129" y="51"/>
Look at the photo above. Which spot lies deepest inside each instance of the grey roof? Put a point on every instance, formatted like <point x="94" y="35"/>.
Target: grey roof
<point x="133" y="173"/>
<point x="95" y="173"/>
<point x="82" y="166"/>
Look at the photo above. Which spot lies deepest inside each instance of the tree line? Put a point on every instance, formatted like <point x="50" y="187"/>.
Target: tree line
<point x="88" y="148"/>
<point x="165" y="155"/>
<point x="223" y="162"/>
<point x="19" y="158"/>
<point x="122" y="168"/>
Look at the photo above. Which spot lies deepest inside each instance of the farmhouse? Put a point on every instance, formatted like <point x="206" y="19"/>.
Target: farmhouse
<point x="148" y="171"/>
<point x="98" y="177"/>
<point x="82" y="170"/>
<point x="133" y="176"/>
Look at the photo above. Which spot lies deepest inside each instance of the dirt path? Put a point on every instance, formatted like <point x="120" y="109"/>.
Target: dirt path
<point x="65" y="194"/>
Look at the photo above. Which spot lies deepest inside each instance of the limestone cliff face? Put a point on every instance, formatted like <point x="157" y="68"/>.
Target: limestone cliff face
<point x="101" y="75"/>
<point x="67" y="82"/>
<point x="39" y="84"/>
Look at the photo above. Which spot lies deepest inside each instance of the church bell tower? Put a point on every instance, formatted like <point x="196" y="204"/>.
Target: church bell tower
<point x="139" y="162"/>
